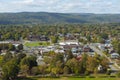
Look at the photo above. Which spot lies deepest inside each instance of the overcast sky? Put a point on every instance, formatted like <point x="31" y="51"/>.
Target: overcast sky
<point x="61" y="6"/>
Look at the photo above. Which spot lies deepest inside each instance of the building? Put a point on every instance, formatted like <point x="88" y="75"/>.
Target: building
<point x="40" y="60"/>
<point x="38" y="38"/>
<point x="115" y="55"/>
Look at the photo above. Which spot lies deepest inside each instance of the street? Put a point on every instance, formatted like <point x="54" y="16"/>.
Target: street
<point x="113" y="65"/>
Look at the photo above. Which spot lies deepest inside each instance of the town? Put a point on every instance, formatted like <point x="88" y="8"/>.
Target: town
<point x="60" y="50"/>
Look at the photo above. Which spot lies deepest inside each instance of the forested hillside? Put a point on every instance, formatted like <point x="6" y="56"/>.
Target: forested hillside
<point x="52" y="18"/>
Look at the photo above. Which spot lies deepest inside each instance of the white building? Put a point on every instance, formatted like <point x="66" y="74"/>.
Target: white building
<point x="115" y="55"/>
<point x="40" y="60"/>
<point x="69" y="42"/>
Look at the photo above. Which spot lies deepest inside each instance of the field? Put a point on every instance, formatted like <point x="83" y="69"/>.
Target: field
<point x="36" y="43"/>
<point x="67" y="78"/>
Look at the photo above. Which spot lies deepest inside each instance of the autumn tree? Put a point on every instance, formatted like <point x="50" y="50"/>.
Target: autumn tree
<point x="92" y="64"/>
<point x="104" y="63"/>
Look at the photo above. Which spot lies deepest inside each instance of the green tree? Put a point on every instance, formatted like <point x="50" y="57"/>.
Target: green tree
<point x="104" y="35"/>
<point x="55" y="70"/>
<point x="83" y="63"/>
<point x="29" y="61"/>
<point x="57" y="64"/>
<point x="11" y="47"/>
<point x="116" y="45"/>
<point x="104" y="63"/>
<point x="54" y="39"/>
<point x="69" y="55"/>
<point x="17" y="36"/>
<point x="20" y="56"/>
<point x="73" y="64"/>
<point x="66" y="70"/>
<point x="88" y="38"/>
<point x="24" y="69"/>
<point x="35" y="70"/>
<point x="8" y="56"/>
<point x="20" y="47"/>
<point x="43" y="69"/>
<point x="10" y="70"/>
<point x="118" y="48"/>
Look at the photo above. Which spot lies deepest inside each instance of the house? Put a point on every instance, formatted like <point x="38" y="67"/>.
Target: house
<point x="101" y="46"/>
<point x="69" y="36"/>
<point x="100" y="68"/>
<point x="40" y="60"/>
<point x="108" y="41"/>
<point x="86" y="48"/>
<point x="51" y="48"/>
<point x="74" y="51"/>
<point x="44" y="38"/>
<point x="59" y="51"/>
<point x="69" y="42"/>
<point x="110" y="51"/>
<point x="38" y="38"/>
<point x="60" y="35"/>
<point x="62" y="43"/>
<point x="108" y="46"/>
<point x="92" y="54"/>
<point x="115" y="55"/>
<point x="3" y="52"/>
<point x="4" y="42"/>
<point x="79" y="57"/>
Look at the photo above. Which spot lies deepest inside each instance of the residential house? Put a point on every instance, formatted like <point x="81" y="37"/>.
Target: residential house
<point x="115" y="55"/>
<point x="40" y="60"/>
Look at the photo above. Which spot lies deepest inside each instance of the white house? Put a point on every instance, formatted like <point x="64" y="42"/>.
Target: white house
<point x="69" y="42"/>
<point x="92" y="54"/>
<point x="100" y="68"/>
<point x="101" y="46"/>
<point x="59" y="51"/>
<point x="115" y="55"/>
<point x="40" y="60"/>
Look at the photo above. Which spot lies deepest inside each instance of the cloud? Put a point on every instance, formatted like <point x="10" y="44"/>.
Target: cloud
<point x="74" y="6"/>
<point x="23" y="2"/>
<point x="95" y="0"/>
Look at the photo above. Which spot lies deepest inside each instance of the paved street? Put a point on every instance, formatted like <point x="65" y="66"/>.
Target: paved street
<point x="113" y="65"/>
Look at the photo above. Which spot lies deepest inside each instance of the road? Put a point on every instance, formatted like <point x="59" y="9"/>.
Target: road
<point x="113" y="65"/>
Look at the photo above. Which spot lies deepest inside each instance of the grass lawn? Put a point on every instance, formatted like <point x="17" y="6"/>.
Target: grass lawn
<point x="37" y="43"/>
<point x="71" y="78"/>
<point x="1" y="58"/>
<point x="79" y="79"/>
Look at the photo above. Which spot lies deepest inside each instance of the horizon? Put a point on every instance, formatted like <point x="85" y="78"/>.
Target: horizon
<point x="56" y="12"/>
<point x="58" y="6"/>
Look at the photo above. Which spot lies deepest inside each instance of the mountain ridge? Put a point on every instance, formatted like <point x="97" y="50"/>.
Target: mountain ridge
<point x="52" y="18"/>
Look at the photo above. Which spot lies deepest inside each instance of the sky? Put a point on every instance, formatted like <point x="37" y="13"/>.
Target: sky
<point x="61" y="6"/>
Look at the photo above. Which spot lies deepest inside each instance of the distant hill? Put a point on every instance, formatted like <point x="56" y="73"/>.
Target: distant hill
<point x="50" y="18"/>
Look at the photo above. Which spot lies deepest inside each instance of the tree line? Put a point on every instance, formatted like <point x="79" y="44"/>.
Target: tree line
<point x="17" y="65"/>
